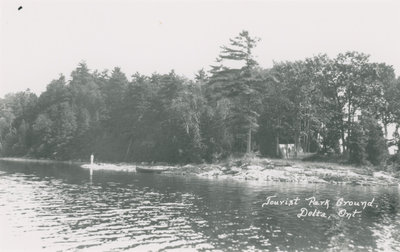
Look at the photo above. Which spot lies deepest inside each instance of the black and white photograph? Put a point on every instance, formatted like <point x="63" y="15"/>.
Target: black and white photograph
<point x="199" y="125"/>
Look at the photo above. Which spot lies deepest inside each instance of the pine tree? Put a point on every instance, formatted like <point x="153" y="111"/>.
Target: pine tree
<point x="239" y="85"/>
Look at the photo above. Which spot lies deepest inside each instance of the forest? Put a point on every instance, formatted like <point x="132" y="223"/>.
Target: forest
<point x="338" y="106"/>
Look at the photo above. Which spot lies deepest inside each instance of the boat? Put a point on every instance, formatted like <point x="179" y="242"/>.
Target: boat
<point x="151" y="169"/>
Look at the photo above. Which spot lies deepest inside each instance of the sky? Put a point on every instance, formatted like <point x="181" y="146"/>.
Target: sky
<point x="47" y="38"/>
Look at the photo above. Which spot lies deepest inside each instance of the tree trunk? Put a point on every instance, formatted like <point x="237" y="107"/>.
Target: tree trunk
<point x="343" y="143"/>
<point x="277" y="144"/>
<point x="277" y="138"/>
<point x="129" y="148"/>
<point x="296" y="145"/>
<point x="249" y="141"/>
<point x="350" y="119"/>
<point x="297" y="139"/>
<point x="385" y="122"/>
<point x="385" y="129"/>
<point x="308" y="136"/>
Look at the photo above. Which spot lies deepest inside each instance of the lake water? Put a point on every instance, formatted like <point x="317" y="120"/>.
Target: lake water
<point x="58" y="207"/>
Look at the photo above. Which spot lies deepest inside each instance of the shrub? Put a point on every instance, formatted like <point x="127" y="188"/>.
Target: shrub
<point x="366" y="143"/>
<point x="357" y="143"/>
<point x="376" y="145"/>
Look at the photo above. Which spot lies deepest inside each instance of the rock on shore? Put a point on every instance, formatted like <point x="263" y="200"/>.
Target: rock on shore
<point x="290" y="171"/>
<point x="262" y="169"/>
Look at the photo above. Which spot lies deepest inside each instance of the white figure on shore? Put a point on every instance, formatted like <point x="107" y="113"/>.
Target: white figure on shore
<point x="91" y="165"/>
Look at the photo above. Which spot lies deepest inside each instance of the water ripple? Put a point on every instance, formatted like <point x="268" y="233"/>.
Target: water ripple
<point x="60" y="216"/>
<point x="42" y="210"/>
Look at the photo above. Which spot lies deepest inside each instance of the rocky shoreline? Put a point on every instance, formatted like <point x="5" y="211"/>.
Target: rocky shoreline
<point x="260" y="169"/>
<point x="291" y="171"/>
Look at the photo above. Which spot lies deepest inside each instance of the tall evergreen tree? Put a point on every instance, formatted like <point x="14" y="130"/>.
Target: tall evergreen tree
<point x="234" y="80"/>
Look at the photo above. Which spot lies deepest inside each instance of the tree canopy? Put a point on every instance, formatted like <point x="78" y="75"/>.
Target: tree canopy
<point x="320" y="104"/>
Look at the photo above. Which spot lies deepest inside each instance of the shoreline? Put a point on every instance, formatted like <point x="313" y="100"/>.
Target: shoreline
<point x="35" y="160"/>
<point x="256" y="169"/>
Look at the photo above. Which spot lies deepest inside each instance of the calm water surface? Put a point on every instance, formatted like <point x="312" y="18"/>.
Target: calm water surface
<point x="57" y="207"/>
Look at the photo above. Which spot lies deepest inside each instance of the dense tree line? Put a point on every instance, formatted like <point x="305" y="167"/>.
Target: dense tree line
<point x="339" y="105"/>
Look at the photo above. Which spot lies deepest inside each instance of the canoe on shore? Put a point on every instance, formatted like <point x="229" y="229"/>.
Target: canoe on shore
<point x="151" y="169"/>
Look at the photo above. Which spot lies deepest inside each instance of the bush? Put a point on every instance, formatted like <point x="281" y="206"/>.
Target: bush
<point x="376" y="145"/>
<point x="357" y="143"/>
<point x="330" y="157"/>
<point x="394" y="163"/>
<point x="366" y="143"/>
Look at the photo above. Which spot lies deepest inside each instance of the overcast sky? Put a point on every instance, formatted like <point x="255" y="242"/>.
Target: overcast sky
<point x="46" y="38"/>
